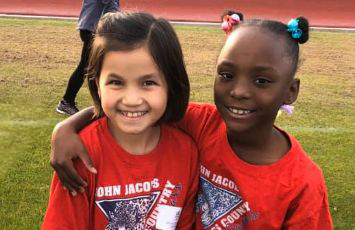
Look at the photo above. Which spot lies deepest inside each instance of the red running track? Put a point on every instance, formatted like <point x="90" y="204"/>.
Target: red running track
<point x="328" y="13"/>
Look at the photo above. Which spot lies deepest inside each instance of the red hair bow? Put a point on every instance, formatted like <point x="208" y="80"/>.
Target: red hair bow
<point x="229" y="21"/>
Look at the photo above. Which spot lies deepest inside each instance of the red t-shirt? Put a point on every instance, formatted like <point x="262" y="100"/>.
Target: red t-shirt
<point x="156" y="190"/>
<point x="290" y="193"/>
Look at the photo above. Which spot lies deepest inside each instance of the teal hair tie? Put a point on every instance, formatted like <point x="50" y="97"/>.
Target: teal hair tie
<point x="296" y="32"/>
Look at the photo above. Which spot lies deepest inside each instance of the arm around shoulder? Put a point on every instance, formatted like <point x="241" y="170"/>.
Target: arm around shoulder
<point x="66" y="146"/>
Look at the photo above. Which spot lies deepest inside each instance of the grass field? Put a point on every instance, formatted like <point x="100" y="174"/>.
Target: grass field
<point x="37" y="57"/>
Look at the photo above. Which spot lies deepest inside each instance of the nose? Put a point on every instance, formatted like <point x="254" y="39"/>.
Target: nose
<point x="132" y="97"/>
<point x="241" y="89"/>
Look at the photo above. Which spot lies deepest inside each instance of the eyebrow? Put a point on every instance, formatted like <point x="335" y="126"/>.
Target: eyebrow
<point x="261" y="68"/>
<point x="264" y="68"/>
<point x="113" y="75"/>
<point x="143" y="77"/>
<point x="258" y="68"/>
<point x="226" y="64"/>
<point x="148" y="76"/>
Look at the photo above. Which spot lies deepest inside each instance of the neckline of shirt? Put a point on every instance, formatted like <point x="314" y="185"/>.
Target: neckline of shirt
<point x="232" y="158"/>
<point x="132" y="159"/>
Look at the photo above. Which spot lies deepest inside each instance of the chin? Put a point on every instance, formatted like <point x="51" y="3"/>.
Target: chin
<point x="237" y="128"/>
<point x="238" y="125"/>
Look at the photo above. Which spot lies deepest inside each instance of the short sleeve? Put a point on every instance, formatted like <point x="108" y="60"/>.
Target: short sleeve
<point x="195" y="119"/>
<point x="65" y="211"/>
<point x="310" y="210"/>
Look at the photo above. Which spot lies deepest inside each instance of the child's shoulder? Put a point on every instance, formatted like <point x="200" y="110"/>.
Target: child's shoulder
<point x="179" y="144"/>
<point x="95" y="136"/>
<point x="202" y="112"/>
<point x="94" y="127"/>
<point x="305" y="169"/>
<point x="175" y="135"/>
<point x="201" y="107"/>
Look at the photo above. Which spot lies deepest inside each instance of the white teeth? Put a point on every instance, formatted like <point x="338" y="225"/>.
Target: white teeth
<point x="239" y="111"/>
<point x="133" y="114"/>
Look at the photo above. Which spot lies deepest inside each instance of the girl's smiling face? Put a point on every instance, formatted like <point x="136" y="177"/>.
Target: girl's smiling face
<point x="132" y="90"/>
<point x="253" y="79"/>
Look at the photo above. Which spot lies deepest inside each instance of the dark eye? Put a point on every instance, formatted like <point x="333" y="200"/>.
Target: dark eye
<point x="262" y="81"/>
<point x="225" y="76"/>
<point x="116" y="82"/>
<point x="149" y="83"/>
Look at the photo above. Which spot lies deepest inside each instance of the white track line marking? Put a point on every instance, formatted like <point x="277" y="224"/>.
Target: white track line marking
<point x="214" y="24"/>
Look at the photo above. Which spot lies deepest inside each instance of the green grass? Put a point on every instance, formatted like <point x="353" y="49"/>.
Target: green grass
<point x="37" y="57"/>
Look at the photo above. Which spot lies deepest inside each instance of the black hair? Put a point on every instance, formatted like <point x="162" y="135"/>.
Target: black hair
<point x="281" y="29"/>
<point x="127" y="31"/>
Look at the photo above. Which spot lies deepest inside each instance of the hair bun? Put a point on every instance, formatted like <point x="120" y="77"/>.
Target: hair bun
<point x="298" y="29"/>
<point x="304" y="26"/>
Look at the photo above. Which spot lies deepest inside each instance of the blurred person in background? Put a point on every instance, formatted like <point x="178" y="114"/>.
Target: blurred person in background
<point x="91" y="12"/>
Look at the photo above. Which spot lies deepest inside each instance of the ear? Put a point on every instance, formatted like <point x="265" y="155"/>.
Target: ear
<point x="292" y="93"/>
<point x="97" y="82"/>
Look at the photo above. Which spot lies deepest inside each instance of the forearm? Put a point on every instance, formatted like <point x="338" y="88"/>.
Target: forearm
<point x="77" y="121"/>
<point x="66" y="145"/>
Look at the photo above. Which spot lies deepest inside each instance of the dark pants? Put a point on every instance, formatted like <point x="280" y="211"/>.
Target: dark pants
<point x="76" y="80"/>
